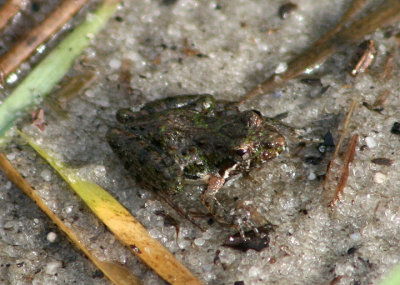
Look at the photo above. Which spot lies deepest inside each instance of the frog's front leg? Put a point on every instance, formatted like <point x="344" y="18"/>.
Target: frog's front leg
<point x="209" y="199"/>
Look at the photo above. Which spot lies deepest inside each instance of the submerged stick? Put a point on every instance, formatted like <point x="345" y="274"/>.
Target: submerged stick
<point x="384" y="15"/>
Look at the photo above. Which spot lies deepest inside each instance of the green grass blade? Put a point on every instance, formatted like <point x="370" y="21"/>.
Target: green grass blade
<point x="42" y="79"/>
<point x="393" y="278"/>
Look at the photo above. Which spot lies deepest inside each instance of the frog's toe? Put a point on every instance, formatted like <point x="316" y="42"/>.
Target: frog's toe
<point x="242" y="222"/>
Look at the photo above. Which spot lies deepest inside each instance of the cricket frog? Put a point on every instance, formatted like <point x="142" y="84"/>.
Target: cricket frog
<point x="193" y="138"/>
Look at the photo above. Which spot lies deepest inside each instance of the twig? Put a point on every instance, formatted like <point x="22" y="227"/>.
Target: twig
<point x="351" y="11"/>
<point x="344" y="130"/>
<point x="386" y="14"/>
<point x="35" y="37"/>
<point x="115" y="272"/>
<point x="351" y="151"/>
<point x="388" y="66"/>
<point x="382" y="98"/>
<point x="8" y="10"/>
<point x="340" y="142"/>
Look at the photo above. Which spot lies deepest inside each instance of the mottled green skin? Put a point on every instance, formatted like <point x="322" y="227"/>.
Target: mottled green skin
<point x="191" y="137"/>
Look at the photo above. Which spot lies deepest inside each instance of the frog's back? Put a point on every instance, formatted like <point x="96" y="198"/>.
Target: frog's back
<point x="191" y="137"/>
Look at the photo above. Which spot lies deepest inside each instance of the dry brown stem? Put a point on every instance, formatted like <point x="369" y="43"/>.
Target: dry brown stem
<point x="115" y="272"/>
<point x="8" y="10"/>
<point x="388" y="66"/>
<point x="349" y="157"/>
<point x="335" y="40"/>
<point x="22" y="50"/>
<point x="351" y="11"/>
<point x="382" y="98"/>
<point x="340" y="142"/>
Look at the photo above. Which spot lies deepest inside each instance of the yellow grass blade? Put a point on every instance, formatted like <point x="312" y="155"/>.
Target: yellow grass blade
<point x="124" y="226"/>
<point x="115" y="272"/>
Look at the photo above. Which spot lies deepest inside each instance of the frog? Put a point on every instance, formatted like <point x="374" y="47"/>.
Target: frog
<point x="194" y="139"/>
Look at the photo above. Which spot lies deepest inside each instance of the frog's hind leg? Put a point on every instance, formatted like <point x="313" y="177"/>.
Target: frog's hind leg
<point x="179" y="210"/>
<point x="146" y="162"/>
<point x="150" y="168"/>
<point x="239" y="219"/>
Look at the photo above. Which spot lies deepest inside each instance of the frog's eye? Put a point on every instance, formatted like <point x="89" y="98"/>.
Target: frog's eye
<point x="257" y="112"/>
<point x="241" y="152"/>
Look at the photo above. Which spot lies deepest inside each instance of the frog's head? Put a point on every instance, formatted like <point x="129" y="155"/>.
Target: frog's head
<point x="263" y="141"/>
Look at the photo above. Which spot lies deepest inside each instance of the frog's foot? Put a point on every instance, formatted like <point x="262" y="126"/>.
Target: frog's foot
<point x="240" y="219"/>
<point x="242" y="222"/>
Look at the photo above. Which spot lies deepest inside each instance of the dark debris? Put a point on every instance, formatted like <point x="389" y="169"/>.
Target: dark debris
<point x="252" y="240"/>
<point x="286" y="9"/>
<point x="383" y="161"/>
<point x="395" y="128"/>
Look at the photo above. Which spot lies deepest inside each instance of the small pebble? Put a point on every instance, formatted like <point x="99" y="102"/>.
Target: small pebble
<point x="51" y="267"/>
<point x="13" y="77"/>
<point x="259" y="66"/>
<point x="46" y="175"/>
<point x="281" y="68"/>
<point x="182" y="243"/>
<point x="90" y="93"/>
<point x="51" y="236"/>
<point x="199" y="241"/>
<point x="311" y="176"/>
<point x="379" y="178"/>
<point x="155" y="233"/>
<point x="356" y="236"/>
<point x="8" y="185"/>
<point x="254" y="271"/>
<point x="370" y="142"/>
<point x="11" y="156"/>
<point x="114" y="63"/>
